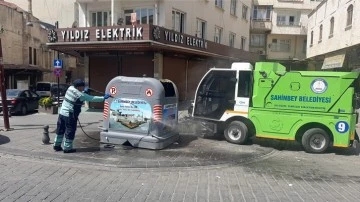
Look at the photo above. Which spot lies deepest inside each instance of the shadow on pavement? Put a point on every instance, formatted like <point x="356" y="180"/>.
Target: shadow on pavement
<point x="4" y="139"/>
<point x="88" y="149"/>
<point x="183" y="141"/>
<point x="278" y="144"/>
<point x="18" y="114"/>
<point x="91" y="140"/>
<point x="295" y="146"/>
<point x="351" y="151"/>
<point x="30" y="126"/>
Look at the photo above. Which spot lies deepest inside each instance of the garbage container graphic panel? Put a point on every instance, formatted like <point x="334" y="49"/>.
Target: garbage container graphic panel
<point x="131" y="115"/>
<point x="142" y="112"/>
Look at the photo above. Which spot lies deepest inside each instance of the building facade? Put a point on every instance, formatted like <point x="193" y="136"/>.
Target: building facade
<point x="50" y="11"/>
<point x="25" y="54"/>
<point x="54" y="13"/>
<point x="334" y="35"/>
<point x="279" y="29"/>
<point x="169" y="39"/>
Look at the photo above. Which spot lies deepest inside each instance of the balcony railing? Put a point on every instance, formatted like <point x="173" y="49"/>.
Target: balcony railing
<point x="290" y="24"/>
<point x="261" y="25"/>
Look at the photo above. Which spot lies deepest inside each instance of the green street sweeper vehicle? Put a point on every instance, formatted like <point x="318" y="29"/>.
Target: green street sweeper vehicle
<point x="315" y="108"/>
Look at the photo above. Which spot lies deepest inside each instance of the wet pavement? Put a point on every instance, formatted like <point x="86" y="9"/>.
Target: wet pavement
<point x="189" y="151"/>
<point x="192" y="169"/>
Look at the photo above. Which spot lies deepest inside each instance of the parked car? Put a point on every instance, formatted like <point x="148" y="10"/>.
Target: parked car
<point x="21" y="101"/>
<point x="54" y="90"/>
<point x="43" y="89"/>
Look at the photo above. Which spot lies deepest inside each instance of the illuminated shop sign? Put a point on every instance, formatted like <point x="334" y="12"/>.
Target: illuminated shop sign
<point x="99" y="34"/>
<point x="185" y="40"/>
<point x="178" y="38"/>
<point x="127" y="33"/>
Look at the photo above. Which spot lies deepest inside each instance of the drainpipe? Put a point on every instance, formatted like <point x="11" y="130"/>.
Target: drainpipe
<point x="186" y="78"/>
<point x="30" y="6"/>
<point x="295" y="47"/>
<point x="157" y="13"/>
<point x="112" y="12"/>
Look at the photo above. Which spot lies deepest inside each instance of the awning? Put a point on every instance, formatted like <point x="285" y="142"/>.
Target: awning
<point x="25" y="67"/>
<point x="334" y="60"/>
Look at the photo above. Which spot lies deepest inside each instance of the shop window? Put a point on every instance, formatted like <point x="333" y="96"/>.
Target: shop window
<point x="100" y="18"/>
<point x="218" y="34"/>
<point x="178" y="21"/>
<point x="232" y="37"/>
<point x="233" y="5"/>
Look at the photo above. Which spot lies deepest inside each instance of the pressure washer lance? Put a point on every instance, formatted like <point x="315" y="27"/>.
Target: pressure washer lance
<point x="96" y="91"/>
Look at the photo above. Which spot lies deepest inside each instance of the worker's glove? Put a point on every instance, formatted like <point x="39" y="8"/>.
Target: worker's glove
<point x="86" y="90"/>
<point x="106" y="96"/>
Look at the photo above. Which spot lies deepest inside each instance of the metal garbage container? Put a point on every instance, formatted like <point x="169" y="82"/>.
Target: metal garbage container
<point x="142" y="111"/>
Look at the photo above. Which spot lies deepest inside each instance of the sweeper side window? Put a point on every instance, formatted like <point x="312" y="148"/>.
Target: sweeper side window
<point x="216" y="94"/>
<point x="244" y="83"/>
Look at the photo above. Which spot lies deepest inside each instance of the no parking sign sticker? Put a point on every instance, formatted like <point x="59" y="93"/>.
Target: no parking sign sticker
<point x="113" y="90"/>
<point x="342" y="127"/>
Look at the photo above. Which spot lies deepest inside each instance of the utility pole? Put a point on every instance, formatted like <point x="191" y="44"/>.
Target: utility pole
<point x="3" y="92"/>
<point x="58" y="77"/>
